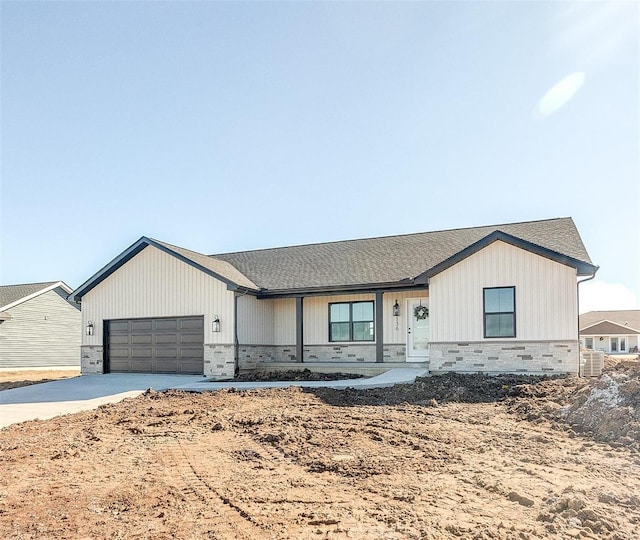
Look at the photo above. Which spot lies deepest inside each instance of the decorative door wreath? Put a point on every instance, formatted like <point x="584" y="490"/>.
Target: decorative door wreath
<point x="420" y="312"/>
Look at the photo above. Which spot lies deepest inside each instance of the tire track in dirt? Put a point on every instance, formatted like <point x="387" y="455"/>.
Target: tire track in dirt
<point x="230" y="519"/>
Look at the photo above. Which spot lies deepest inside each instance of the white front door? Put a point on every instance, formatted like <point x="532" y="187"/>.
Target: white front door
<point x="417" y="329"/>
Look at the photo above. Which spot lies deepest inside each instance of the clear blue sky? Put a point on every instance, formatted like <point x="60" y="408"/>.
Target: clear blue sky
<point x="225" y="126"/>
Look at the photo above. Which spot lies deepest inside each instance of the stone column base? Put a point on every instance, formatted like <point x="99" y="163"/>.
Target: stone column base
<point x="91" y="357"/>
<point x="219" y="361"/>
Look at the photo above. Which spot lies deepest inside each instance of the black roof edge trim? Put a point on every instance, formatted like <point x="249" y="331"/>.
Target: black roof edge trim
<point x="110" y="268"/>
<point x="129" y="254"/>
<point x="583" y="268"/>
<point x="339" y="289"/>
<point x="231" y="285"/>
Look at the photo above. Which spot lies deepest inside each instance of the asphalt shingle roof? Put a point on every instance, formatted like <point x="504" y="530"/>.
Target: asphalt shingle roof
<point x="388" y="259"/>
<point x="623" y="317"/>
<point x="220" y="267"/>
<point x="11" y="293"/>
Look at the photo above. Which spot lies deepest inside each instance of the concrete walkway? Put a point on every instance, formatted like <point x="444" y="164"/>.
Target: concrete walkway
<point x="47" y="400"/>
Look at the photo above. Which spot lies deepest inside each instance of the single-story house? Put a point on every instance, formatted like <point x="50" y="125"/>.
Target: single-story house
<point x="612" y="332"/>
<point x="500" y="298"/>
<point x="39" y="328"/>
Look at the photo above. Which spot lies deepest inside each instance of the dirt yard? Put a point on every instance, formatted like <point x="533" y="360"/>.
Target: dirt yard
<point x="448" y="457"/>
<point x="15" y="379"/>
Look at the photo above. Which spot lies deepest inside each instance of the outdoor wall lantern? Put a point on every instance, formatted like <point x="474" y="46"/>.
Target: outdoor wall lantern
<point x="396" y="309"/>
<point x="216" y="324"/>
<point x="89" y="328"/>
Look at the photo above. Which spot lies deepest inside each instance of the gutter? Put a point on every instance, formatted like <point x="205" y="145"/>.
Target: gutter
<point x="595" y="271"/>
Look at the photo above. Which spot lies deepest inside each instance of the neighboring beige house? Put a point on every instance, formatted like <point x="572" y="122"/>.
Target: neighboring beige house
<point x="39" y="328"/>
<point x="613" y="332"/>
<point x="499" y="298"/>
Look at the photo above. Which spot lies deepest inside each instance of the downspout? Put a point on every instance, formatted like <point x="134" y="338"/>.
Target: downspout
<point x="578" y="306"/>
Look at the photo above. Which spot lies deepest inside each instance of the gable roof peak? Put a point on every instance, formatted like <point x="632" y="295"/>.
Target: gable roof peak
<point x="13" y="295"/>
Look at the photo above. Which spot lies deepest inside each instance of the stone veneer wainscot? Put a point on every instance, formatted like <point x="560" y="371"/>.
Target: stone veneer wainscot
<point x="534" y="357"/>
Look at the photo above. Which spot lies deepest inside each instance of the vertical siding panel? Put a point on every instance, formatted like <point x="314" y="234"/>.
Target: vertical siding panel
<point x="155" y="284"/>
<point x="390" y="334"/>
<point x="545" y="295"/>
<point x="284" y="323"/>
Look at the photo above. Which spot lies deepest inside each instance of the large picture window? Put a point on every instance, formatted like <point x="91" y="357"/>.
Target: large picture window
<point x="500" y="312"/>
<point x="351" y="321"/>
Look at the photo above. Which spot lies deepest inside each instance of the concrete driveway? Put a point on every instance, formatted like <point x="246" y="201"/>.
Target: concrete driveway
<point x="46" y="400"/>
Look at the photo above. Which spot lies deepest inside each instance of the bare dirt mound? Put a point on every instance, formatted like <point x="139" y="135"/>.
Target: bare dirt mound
<point x="449" y="457"/>
<point x="606" y="408"/>
<point x="449" y="387"/>
<point x="294" y="375"/>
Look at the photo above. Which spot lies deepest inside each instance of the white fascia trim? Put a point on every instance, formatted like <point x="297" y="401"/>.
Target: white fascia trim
<point x="37" y="293"/>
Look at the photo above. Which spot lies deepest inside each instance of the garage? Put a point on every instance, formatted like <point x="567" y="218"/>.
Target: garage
<point x="155" y="345"/>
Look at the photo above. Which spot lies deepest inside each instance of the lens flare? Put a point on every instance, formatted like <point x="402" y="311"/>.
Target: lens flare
<point x="560" y="94"/>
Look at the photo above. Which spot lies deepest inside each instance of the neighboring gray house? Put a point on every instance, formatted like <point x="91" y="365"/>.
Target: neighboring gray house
<point x="613" y="332"/>
<point x="39" y="327"/>
<point x="500" y="298"/>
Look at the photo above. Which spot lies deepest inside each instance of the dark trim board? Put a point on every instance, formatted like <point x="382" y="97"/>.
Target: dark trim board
<point x="131" y="252"/>
<point x="582" y="268"/>
<point x="299" y="329"/>
<point x="106" y="367"/>
<point x="379" y="316"/>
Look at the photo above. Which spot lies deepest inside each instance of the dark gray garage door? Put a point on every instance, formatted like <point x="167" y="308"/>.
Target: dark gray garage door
<point x="169" y="345"/>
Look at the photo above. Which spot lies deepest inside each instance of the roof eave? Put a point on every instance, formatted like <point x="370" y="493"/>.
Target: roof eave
<point x="51" y="287"/>
<point x="621" y="326"/>
<point x="130" y="253"/>
<point x="582" y="268"/>
<point x="359" y="288"/>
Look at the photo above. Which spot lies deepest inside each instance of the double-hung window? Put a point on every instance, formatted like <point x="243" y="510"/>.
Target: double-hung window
<point x="499" y="312"/>
<point x="351" y="321"/>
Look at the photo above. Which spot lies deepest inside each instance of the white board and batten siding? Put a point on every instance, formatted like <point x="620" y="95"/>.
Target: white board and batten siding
<point x="43" y="332"/>
<point x="154" y="284"/>
<point x="266" y="322"/>
<point x="546" y="295"/>
<point x="273" y="321"/>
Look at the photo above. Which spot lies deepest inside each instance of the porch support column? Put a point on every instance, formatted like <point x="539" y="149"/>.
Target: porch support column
<point x="379" y="329"/>
<point x="299" y="328"/>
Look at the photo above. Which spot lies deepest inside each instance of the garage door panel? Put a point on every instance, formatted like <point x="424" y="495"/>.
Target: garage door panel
<point x="167" y="338"/>
<point x="118" y="364"/>
<point x="191" y="352"/>
<point x="119" y="326"/>
<point x="195" y="323"/>
<point x="167" y="345"/>
<point x="119" y="352"/>
<point x="137" y="326"/>
<point x="166" y="366"/>
<point x="166" y="352"/>
<point x="141" y="366"/>
<point x="165" y="324"/>
<point x="190" y="338"/>
<point x="141" y="339"/>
